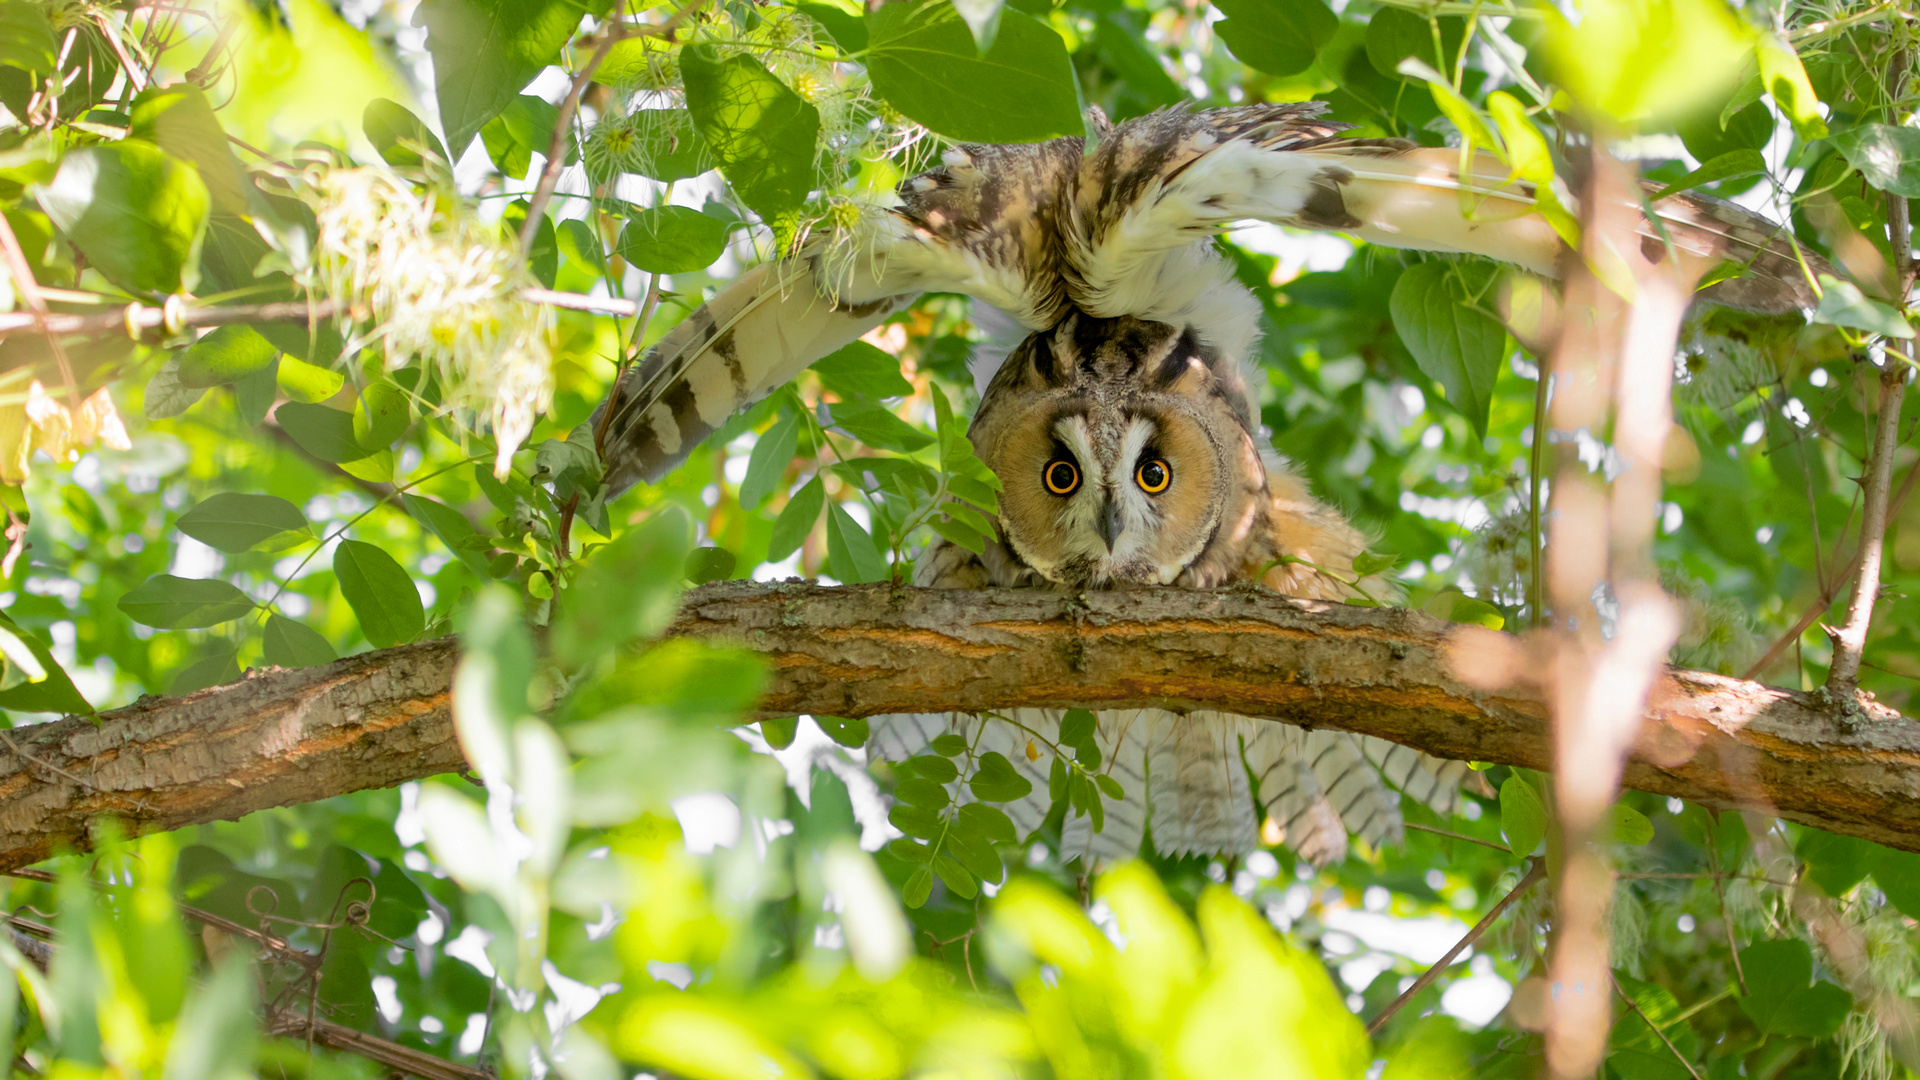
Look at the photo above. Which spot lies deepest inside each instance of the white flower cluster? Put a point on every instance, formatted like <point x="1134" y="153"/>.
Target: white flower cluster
<point x="421" y="282"/>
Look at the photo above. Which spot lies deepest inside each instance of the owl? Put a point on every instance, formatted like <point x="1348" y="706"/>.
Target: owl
<point x="1122" y="430"/>
<point x="1129" y="455"/>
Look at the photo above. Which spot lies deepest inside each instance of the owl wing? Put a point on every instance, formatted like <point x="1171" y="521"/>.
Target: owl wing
<point x="982" y="224"/>
<point x="1165" y="180"/>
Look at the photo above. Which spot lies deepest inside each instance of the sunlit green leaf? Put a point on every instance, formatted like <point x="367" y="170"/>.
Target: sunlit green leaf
<point x="484" y="53"/>
<point x="1887" y="155"/>
<point x="380" y="593"/>
<point x="672" y="240"/>
<point x="1456" y="346"/>
<point x="1523" y="818"/>
<point x="234" y="522"/>
<point x="175" y="603"/>
<point x="136" y="212"/>
<point x="295" y="644"/>
<point x="761" y="133"/>
<point x="1279" y="37"/>
<point x="923" y="60"/>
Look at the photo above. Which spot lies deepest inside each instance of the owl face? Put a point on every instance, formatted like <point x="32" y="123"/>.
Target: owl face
<point x="1123" y="457"/>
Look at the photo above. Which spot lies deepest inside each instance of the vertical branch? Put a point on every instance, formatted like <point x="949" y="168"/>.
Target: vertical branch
<point x="1850" y="640"/>
<point x="1613" y="360"/>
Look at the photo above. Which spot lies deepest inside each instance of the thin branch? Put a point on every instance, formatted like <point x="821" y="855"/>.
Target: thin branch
<point x="1850" y="640"/>
<point x="1634" y="1006"/>
<point x="1537" y="869"/>
<point x="137" y="317"/>
<point x="1820" y="606"/>
<point x="36" y="316"/>
<point x="1455" y="836"/>
<point x="615" y="33"/>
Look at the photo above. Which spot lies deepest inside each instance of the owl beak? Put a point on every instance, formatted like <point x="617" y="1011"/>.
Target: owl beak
<point x="1110" y="524"/>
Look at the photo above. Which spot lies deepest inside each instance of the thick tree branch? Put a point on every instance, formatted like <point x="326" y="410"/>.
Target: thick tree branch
<point x="379" y="719"/>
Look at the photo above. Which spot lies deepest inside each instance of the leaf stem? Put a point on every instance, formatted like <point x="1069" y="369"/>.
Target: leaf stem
<point x="1537" y="869"/>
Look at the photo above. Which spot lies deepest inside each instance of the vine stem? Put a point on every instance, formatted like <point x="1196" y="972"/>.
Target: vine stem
<point x="1850" y="640"/>
<point x="1536" y="870"/>
<point x="1634" y="1007"/>
<point x="615" y="33"/>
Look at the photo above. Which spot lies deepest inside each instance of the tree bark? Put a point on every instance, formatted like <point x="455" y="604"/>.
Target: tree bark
<point x="280" y="737"/>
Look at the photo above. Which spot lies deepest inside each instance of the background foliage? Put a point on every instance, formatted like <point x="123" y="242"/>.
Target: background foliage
<point x="416" y="461"/>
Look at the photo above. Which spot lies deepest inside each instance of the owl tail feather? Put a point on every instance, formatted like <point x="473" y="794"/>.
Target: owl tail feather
<point x="1420" y="199"/>
<point x="760" y="331"/>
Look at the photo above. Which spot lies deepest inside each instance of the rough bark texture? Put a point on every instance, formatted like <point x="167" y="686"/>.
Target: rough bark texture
<point x="283" y="737"/>
<point x="275" y="738"/>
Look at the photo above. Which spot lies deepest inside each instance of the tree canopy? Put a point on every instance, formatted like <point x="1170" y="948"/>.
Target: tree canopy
<point x="304" y="311"/>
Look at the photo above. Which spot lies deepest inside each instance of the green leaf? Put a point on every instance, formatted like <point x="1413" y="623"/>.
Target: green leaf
<point x="381" y="414"/>
<point x="1733" y="163"/>
<point x="914" y="821"/>
<point x="924" y="62"/>
<point x="179" y="119"/>
<point x="254" y="395"/>
<point x="1896" y="872"/>
<point x="997" y="781"/>
<point x="1786" y="79"/>
<point x="1625" y="825"/>
<point x="933" y="767"/>
<point x="974" y="854"/>
<point x="761" y="133"/>
<point x="628" y="590"/>
<point x="581" y="246"/>
<point x="1843" y="304"/>
<point x="1279" y="37"/>
<point x="53" y="691"/>
<point x="398" y="135"/>
<point x="1523" y="818"/>
<point x="990" y="821"/>
<point x="852" y="555"/>
<point x="955" y="877"/>
<point x="1076" y="727"/>
<point x="485" y="51"/>
<point x="1464" y="114"/>
<point x="137" y="213"/>
<point x="1746" y="128"/>
<point x="1780" y="1000"/>
<point x="919" y="886"/>
<point x="1456" y="606"/>
<point x="453" y="529"/>
<point x="174" y="603"/>
<point x="524" y="128"/>
<point x="706" y="564"/>
<point x="1455" y="346"/>
<point x="772" y="453"/>
<point x="948" y="745"/>
<point x="877" y="427"/>
<point x="779" y="733"/>
<point x="1835" y="863"/>
<point x="293" y="644"/>
<point x="846" y="732"/>
<point x="1110" y="787"/>
<point x="859" y="370"/>
<point x="1368" y="563"/>
<point x="847" y="30"/>
<point x="543" y="257"/>
<point x="1394" y="34"/>
<point x="324" y="432"/>
<point x="26" y="38"/>
<point x="796" y="520"/>
<point x="234" y="522"/>
<point x="960" y="534"/>
<point x="922" y="793"/>
<point x="672" y="240"/>
<point x="1888" y="156"/>
<point x="380" y="593"/>
<point x="308" y="383"/>
<point x="912" y="851"/>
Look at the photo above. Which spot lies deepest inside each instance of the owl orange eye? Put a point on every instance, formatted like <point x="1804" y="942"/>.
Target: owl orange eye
<point x="1061" y="477"/>
<point x="1153" y="476"/>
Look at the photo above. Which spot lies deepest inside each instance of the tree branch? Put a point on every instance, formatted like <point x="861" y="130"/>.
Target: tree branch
<point x="381" y="718"/>
<point x="136" y="317"/>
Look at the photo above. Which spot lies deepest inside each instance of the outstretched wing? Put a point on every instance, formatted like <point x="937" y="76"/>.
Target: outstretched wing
<point x="982" y="224"/>
<point x="1165" y="180"/>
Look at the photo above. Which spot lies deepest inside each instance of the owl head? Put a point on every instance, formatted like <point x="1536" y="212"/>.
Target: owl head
<point x="1125" y="454"/>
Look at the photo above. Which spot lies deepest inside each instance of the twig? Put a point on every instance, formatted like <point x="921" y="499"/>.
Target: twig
<point x="1635" y="1007"/>
<point x="1850" y="640"/>
<point x="1456" y="836"/>
<point x="563" y="125"/>
<point x="1819" y="607"/>
<point x="136" y="317"/>
<point x="1536" y="869"/>
<point x="37" y="316"/>
<point x="401" y="1059"/>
